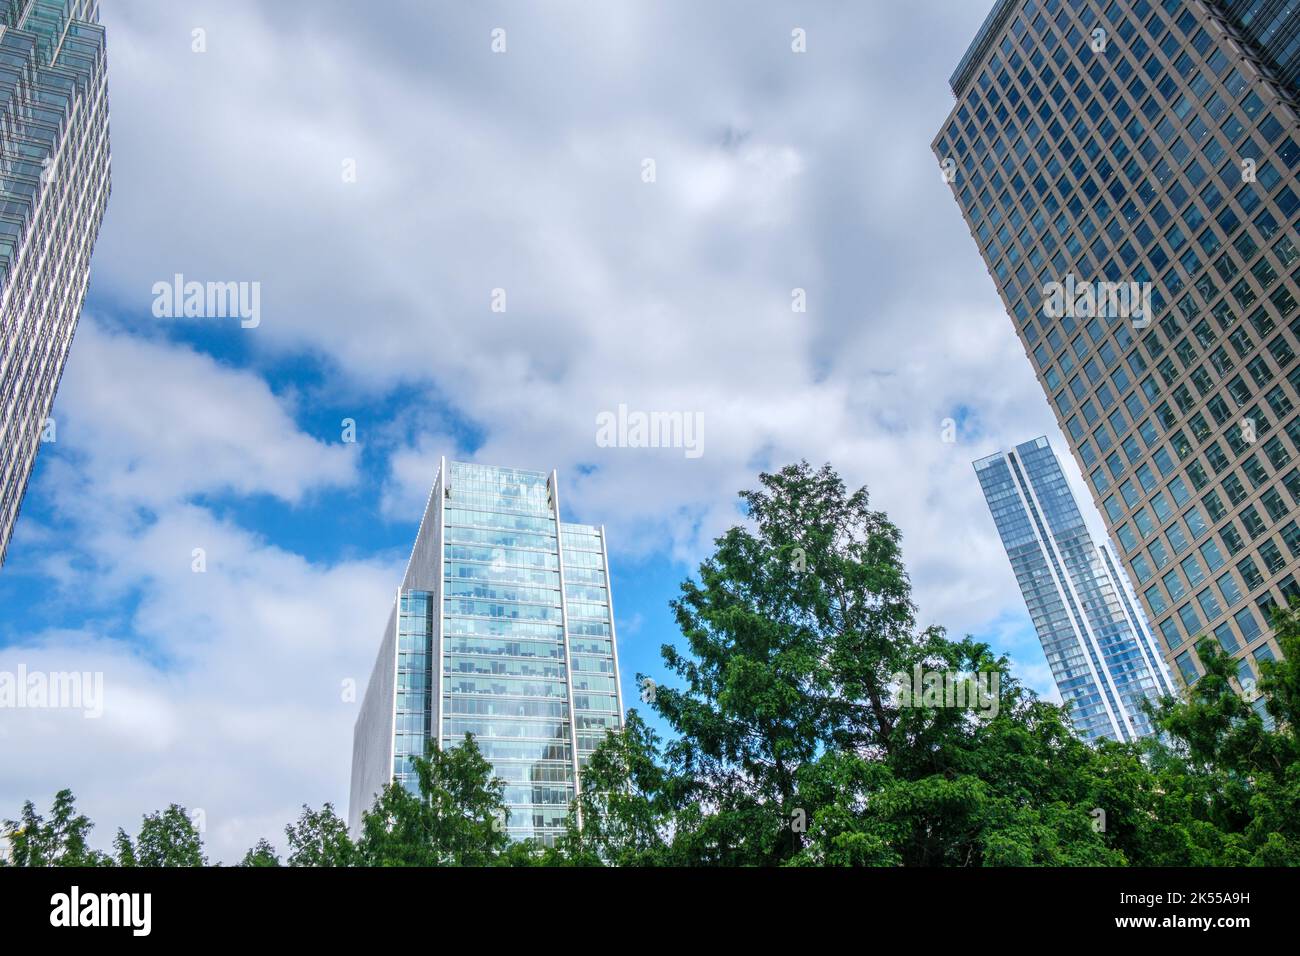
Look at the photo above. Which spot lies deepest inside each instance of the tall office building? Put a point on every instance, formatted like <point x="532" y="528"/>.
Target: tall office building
<point x="1128" y="169"/>
<point x="502" y="628"/>
<point x="1097" y="643"/>
<point x="1271" y="30"/>
<point x="54" y="186"/>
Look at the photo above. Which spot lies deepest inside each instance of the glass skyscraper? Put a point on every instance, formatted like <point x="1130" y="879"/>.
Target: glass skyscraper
<point x="503" y="628"/>
<point x="54" y="185"/>
<point x="1128" y="169"/>
<point x="1096" y="640"/>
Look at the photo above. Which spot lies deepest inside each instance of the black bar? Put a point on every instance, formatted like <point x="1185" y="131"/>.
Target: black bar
<point x="330" y="905"/>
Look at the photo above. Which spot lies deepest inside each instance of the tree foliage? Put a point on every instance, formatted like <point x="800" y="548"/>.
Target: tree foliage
<point x="319" y="838"/>
<point x="169" y="838"/>
<point x="790" y="743"/>
<point x="458" y="816"/>
<point x="1239" y="773"/>
<point x="262" y="854"/>
<point x="59" y="840"/>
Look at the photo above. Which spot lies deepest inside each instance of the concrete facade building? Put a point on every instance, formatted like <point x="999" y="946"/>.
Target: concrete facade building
<point x="1128" y="170"/>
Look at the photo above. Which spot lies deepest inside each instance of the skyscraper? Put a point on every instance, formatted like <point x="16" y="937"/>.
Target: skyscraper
<point x="503" y="627"/>
<point x="54" y="185"/>
<point x="1097" y="643"/>
<point x="1271" y="29"/>
<point x="1128" y="169"/>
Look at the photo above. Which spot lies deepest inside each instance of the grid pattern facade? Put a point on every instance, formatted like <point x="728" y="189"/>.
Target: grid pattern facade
<point x="505" y="631"/>
<point x="597" y="701"/>
<point x="54" y="186"/>
<point x="1102" y="655"/>
<point x="1134" y="141"/>
<point x="504" y="672"/>
<point x="1272" y="29"/>
<point x="412" y="721"/>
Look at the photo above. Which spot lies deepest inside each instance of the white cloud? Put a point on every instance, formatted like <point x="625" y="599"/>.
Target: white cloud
<point x="226" y="699"/>
<point x="475" y="172"/>
<point x="222" y="686"/>
<point x="161" y="422"/>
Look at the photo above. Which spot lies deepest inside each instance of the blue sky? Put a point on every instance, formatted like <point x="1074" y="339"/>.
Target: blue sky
<point x="477" y="171"/>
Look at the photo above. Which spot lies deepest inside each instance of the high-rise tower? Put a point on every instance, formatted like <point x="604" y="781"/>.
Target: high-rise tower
<point x="503" y="628"/>
<point x="1128" y="169"/>
<point x="1096" y="640"/>
<point x="54" y="185"/>
<point x="1271" y="30"/>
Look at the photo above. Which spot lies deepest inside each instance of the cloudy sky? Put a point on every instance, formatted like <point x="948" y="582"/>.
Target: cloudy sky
<point x="379" y="170"/>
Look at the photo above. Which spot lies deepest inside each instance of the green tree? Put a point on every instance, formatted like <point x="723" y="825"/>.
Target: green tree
<point x="792" y="745"/>
<point x="262" y="854"/>
<point x="169" y="838"/>
<point x="792" y="633"/>
<point x="319" y="838"/>
<point x="59" y="841"/>
<point x="458" y="817"/>
<point x="626" y="805"/>
<point x="1241" y="776"/>
<point x="958" y="787"/>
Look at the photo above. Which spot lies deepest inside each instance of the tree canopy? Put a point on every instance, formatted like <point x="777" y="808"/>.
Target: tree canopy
<point x="796" y="737"/>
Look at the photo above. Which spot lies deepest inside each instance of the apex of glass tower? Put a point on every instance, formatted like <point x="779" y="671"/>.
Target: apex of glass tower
<point x="503" y="628"/>
<point x="1102" y="655"/>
